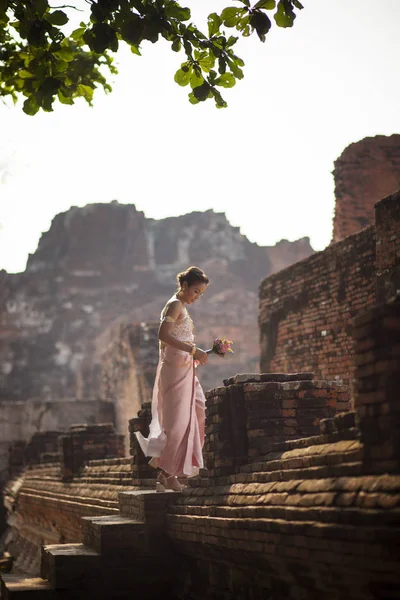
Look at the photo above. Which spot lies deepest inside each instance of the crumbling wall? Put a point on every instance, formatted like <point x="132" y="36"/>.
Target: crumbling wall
<point x="306" y="310"/>
<point x="365" y="172"/>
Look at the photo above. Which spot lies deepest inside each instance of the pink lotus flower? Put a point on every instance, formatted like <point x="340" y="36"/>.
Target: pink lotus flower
<point x="221" y="347"/>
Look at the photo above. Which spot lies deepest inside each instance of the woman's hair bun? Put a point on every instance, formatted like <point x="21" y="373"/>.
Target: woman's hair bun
<point x="192" y="275"/>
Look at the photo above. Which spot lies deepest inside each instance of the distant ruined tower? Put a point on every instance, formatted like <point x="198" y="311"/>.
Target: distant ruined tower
<point x="366" y="172"/>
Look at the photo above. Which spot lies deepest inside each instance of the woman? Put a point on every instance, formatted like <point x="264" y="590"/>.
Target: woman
<point x="178" y="407"/>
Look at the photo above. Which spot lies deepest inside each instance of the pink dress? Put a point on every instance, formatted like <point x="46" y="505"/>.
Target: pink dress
<point x="176" y="435"/>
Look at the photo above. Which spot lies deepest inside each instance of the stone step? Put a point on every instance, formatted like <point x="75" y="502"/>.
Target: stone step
<point x="314" y="456"/>
<point x="146" y="506"/>
<point x="77" y="568"/>
<point x="19" y="587"/>
<point x="67" y="566"/>
<point x="120" y="538"/>
<point x="14" y="587"/>
<point x="108" y="534"/>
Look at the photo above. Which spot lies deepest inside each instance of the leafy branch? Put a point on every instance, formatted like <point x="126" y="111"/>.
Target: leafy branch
<point x="39" y="61"/>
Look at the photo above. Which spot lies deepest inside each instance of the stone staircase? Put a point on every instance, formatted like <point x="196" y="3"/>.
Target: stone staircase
<point x="119" y="553"/>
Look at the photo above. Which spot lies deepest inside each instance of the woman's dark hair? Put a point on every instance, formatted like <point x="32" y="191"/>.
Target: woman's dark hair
<point x="192" y="275"/>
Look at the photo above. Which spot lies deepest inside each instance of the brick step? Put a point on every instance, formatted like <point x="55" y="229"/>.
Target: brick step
<point x="305" y="462"/>
<point x="302" y="458"/>
<point x="67" y="566"/>
<point x="120" y="538"/>
<point x="279" y="460"/>
<point x="212" y="529"/>
<point x="342" y="470"/>
<point x="71" y="501"/>
<point x="100" y="494"/>
<point x="317" y="440"/>
<point x="106" y="473"/>
<point x="75" y="567"/>
<point x="111" y="586"/>
<point x="145" y="483"/>
<point x="121" y="481"/>
<point x="107" y="534"/>
<point x="109" y="461"/>
<point x="19" y="587"/>
<point x="317" y="514"/>
<point x="146" y="506"/>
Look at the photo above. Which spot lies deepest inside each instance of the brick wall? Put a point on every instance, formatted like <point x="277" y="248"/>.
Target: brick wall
<point x="47" y="500"/>
<point x="88" y="442"/>
<point x="307" y="310"/>
<point x="377" y="335"/>
<point x="316" y="517"/>
<point x="387" y="221"/>
<point x="365" y="172"/>
<point x="251" y="413"/>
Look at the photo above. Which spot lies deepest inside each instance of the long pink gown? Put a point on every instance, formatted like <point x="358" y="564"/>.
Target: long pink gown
<point x="178" y="408"/>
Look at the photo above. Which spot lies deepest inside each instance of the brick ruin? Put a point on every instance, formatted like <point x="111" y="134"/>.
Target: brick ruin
<point x="78" y="326"/>
<point x="301" y="491"/>
<point x="306" y="311"/>
<point x="274" y="515"/>
<point x="365" y="172"/>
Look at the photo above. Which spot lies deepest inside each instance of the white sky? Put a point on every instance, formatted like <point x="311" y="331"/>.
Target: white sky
<point x="265" y="161"/>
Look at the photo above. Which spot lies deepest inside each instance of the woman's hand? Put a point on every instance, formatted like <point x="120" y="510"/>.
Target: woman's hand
<point x="201" y="356"/>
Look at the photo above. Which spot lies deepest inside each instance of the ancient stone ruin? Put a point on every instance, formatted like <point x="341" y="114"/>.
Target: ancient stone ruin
<point x="301" y="491"/>
<point x="306" y="310"/>
<point x="365" y="172"/>
<point x="78" y="327"/>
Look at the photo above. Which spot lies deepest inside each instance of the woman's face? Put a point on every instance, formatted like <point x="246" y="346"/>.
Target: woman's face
<point x="190" y="294"/>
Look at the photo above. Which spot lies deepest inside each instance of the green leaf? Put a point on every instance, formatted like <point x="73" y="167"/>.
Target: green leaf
<point x="86" y="91"/>
<point x="64" y="99"/>
<point x="244" y="25"/>
<point x="31" y="106"/>
<point x="3" y="7"/>
<point x="135" y="50"/>
<point x="237" y="71"/>
<point x="58" y="17"/>
<point x="266" y="4"/>
<point x="174" y="11"/>
<point x="77" y="34"/>
<point x="261" y="23"/>
<point x="196" y="79"/>
<point x="47" y="102"/>
<point x="284" y="16"/>
<point x="202" y="92"/>
<point x="231" y="15"/>
<point x="183" y="75"/>
<point x="65" y="54"/>
<point x="214" y="23"/>
<point x="176" y="45"/>
<point x="132" y="28"/>
<point x="36" y="34"/>
<point x="297" y="4"/>
<point x="207" y="63"/>
<point x="50" y="86"/>
<point x="226" y="80"/>
<point x="219" y="101"/>
<point x="60" y="67"/>
<point x="25" y="74"/>
<point x="40" y="7"/>
<point x="193" y="99"/>
<point x="100" y="37"/>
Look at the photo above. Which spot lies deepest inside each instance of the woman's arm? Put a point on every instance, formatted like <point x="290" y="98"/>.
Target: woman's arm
<point x="165" y="335"/>
<point x="167" y="324"/>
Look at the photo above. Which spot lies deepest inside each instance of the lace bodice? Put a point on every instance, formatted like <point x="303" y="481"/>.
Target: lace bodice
<point x="183" y="328"/>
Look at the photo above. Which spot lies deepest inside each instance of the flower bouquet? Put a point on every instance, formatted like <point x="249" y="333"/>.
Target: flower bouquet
<point x="221" y="347"/>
